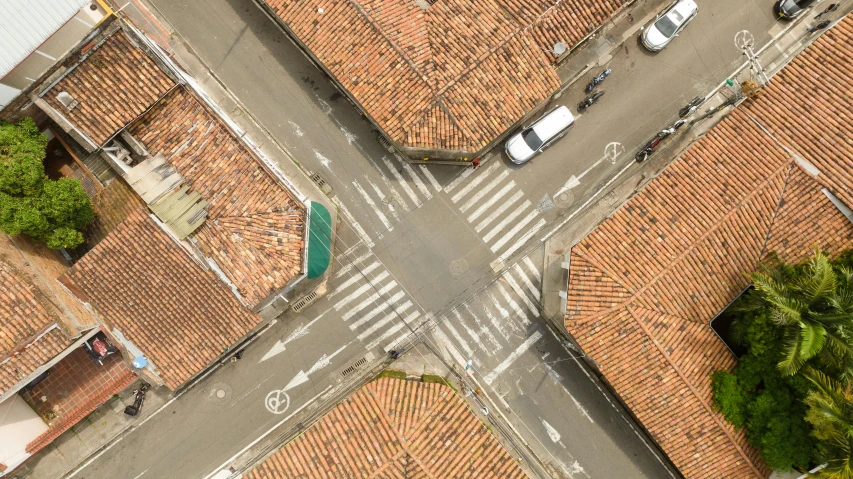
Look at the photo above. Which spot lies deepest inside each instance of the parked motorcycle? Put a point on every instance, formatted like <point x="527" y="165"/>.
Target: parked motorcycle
<point x="652" y="145"/>
<point x="691" y="107"/>
<point x="589" y="101"/>
<point x="139" y="399"/>
<point x="597" y="80"/>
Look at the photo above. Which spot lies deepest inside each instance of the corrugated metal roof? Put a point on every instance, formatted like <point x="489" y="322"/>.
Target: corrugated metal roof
<point x="26" y="24"/>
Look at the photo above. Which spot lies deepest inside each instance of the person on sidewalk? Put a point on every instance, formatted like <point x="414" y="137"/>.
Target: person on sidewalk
<point x="475" y="163"/>
<point x="831" y="8"/>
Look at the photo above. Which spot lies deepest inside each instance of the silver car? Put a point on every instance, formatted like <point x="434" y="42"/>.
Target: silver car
<point x="531" y="140"/>
<point x="668" y="24"/>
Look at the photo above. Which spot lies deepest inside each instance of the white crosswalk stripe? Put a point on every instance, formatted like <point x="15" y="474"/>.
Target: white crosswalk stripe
<point x="494" y="328"/>
<point x="496" y="208"/>
<point x="373" y="304"/>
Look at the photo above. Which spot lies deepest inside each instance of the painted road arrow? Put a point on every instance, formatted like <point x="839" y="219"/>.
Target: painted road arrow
<point x="300" y="378"/>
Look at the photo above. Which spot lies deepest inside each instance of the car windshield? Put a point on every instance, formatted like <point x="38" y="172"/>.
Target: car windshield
<point x="665" y="26"/>
<point x="532" y="139"/>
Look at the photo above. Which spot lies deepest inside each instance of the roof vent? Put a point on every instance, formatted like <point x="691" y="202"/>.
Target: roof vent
<point x="67" y="100"/>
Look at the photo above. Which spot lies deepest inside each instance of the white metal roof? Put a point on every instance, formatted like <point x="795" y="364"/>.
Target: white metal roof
<point x="26" y="24"/>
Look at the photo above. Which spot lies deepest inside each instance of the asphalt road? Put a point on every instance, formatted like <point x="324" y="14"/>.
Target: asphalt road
<point x="418" y="243"/>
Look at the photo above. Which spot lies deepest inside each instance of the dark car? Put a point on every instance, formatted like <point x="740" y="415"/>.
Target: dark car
<point x="790" y="9"/>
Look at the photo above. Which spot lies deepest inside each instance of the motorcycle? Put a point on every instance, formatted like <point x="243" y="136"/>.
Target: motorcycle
<point x="597" y="80"/>
<point x="589" y="101"/>
<point x="691" y="107"/>
<point x="139" y="399"/>
<point x="650" y="147"/>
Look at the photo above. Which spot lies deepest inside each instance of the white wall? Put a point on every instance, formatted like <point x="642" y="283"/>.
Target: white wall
<point x="19" y="425"/>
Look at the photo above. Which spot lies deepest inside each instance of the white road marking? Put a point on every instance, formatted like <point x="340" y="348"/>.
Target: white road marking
<point x="325" y="360"/>
<point x="372" y="204"/>
<point x="485" y="206"/>
<point x="473" y="183"/>
<point x="325" y="161"/>
<point x="521" y="349"/>
<point x="524" y="278"/>
<point x="532" y="267"/>
<point x="484" y="330"/>
<point x="442" y="338"/>
<point x="296" y="130"/>
<point x="382" y="307"/>
<point x="369" y="300"/>
<point x="384" y="321"/>
<point x="431" y="178"/>
<point x="506" y="221"/>
<point x="351" y="220"/>
<point x="496" y="325"/>
<point x="390" y="205"/>
<point x="394" y="329"/>
<point x="413" y="174"/>
<point x="524" y="298"/>
<point x="521" y="241"/>
<point x="354" y="279"/>
<point x="459" y="179"/>
<point x="347" y="267"/>
<point x="514" y="231"/>
<point x="482" y="192"/>
<point x="515" y="307"/>
<point x="458" y="337"/>
<point x="408" y="189"/>
<point x="503" y="312"/>
<point x="552" y="432"/>
<point x="473" y="335"/>
<point x="500" y="209"/>
<point x="558" y="381"/>
<point x="361" y="290"/>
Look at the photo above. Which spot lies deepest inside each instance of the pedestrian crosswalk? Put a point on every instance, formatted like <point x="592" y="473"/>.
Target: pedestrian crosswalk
<point x="398" y="189"/>
<point x="372" y="304"/>
<point x="496" y="208"/>
<point x="498" y="325"/>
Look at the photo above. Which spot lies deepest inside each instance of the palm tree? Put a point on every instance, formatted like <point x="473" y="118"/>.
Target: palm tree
<point x="814" y="305"/>
<point x="831" y="415"/>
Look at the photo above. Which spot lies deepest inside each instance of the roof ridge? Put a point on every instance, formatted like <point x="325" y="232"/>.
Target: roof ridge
<point x="692" y="389"/>
<point x="373" y="24"/>
<point x="776" y="210"/>
<point x="713" y="228"/>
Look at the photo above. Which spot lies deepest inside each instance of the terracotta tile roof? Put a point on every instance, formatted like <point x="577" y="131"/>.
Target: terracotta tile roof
<point x="394" y="428"/>
<point x="29" y="335"/>
<point x="255" y="227"/>
<point x="113" y="85"/>
<point x="644" y="285"/>
<point x="452" y="76"/>
<point x="145" y="285"/>
<point x="112" y="205"/>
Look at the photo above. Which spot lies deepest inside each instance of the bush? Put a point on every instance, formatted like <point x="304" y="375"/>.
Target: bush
<point x="755" y="396"/>
<point x="53" y="212"/>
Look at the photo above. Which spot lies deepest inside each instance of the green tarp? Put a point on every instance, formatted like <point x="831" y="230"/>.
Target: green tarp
<point x="319" y="240"/>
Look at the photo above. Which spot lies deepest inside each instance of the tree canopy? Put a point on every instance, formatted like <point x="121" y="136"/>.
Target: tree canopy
<point x="53" y="212"/>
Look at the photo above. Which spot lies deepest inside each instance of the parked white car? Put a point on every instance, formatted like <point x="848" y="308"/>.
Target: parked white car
<point x="531" y="140"/>
<point x="668" y="24"/>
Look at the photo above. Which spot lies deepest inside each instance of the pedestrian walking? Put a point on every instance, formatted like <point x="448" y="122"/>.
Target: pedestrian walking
<point x="831" y="8"/>
<point x="395" y="355"/>
<point x="819" y="26"/>
<point x="475" y="163"/>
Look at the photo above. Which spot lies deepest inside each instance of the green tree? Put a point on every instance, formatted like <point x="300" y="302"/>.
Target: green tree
<point x="53" y="212"/>
<point x="814" y="306"/>
<point x="831" y="414"/>
<point x="755" y="396"/>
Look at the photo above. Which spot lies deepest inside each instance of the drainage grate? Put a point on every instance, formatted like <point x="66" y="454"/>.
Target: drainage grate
<point x="385" y="143"/>
<point x="317" y="179"/>
<point x="304" y="301"/>
<point x="361" y="362"/>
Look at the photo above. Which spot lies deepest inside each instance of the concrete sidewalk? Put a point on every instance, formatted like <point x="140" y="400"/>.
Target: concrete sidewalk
<point x="91" y="434"/>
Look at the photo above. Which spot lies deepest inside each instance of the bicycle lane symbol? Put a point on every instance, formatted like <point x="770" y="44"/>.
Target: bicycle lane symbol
<point x="277" y="401"/>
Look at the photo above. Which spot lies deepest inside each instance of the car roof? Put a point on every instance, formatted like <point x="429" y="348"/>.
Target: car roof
<point x="686" y="8"/>
<point x="553" y="123"/>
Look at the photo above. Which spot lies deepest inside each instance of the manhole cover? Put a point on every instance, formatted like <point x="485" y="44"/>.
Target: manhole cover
<point x="219" y="393"/>
<point x="564" y="199"/>
<point x="458" y="267"/>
